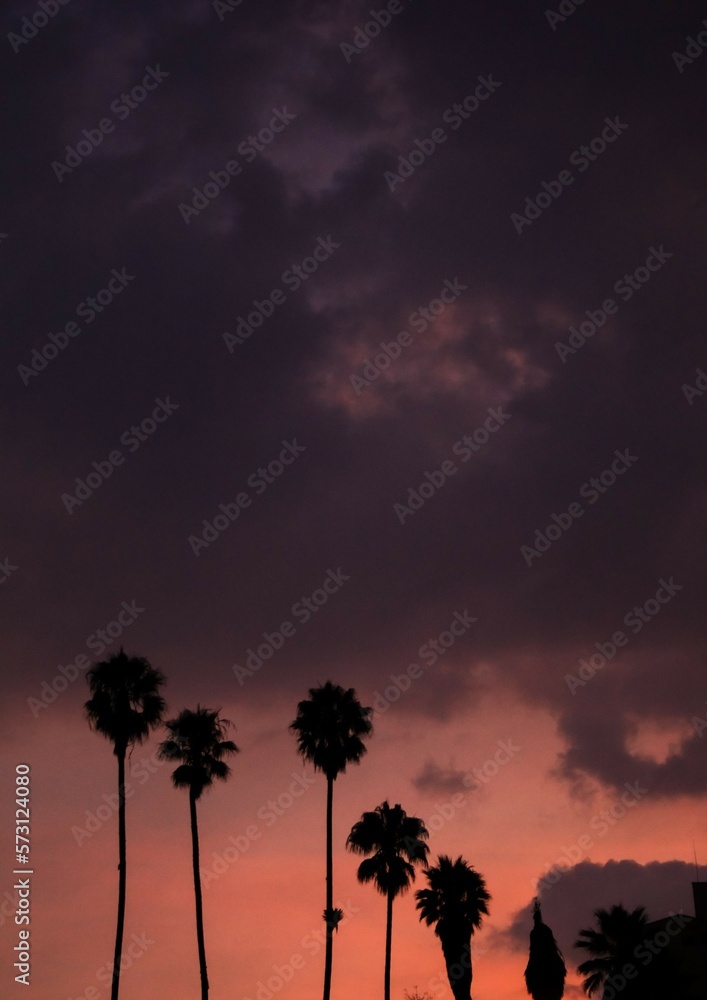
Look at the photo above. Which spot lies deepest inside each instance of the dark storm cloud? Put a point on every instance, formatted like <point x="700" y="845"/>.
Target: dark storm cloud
<point x="322" y="178"/>
<point x="433" y="779"/>
<point x="662" y="887"/>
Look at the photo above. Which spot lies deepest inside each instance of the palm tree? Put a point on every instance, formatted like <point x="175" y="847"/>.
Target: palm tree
<point x="456" y="903"/>
<point x="196" y="738"/>
<point x="396" y="842"/>
<point x="330" y="725"/>
<point x="124" y="706"/>
<point x="546" y="971"/>
<point x="611" y="946"/>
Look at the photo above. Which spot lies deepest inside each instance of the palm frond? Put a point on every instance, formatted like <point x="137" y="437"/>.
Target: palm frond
<point x="330" y="727"/>
<point x="395" y="842"/>
<point x="195" y="737"/>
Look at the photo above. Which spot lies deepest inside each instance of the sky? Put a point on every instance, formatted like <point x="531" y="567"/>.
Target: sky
<point x="365" y="344"/>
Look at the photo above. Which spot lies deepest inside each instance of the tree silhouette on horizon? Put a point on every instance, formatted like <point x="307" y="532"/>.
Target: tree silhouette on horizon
<point x="124" y="706"/>
<point x="546" y="971"/>
<point x="456" y="903"/>
<point x="196" y="738"/>
<point x="396" y="843"/>
<point x="329" y="726"/>
<point x="612" y="946"/>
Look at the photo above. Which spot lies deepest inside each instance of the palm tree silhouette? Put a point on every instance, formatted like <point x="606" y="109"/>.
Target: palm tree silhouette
<point x="124" y="706"/>
<point x="611" y="946"/>
<point x="396" y="842"/>
<point x="456" y="903"/>
<point x="330" y="725"/>
<point x="546" y="971"/>
<point x="196" y="739"/>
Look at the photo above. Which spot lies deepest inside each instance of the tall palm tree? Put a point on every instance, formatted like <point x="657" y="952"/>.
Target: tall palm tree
<point x="456" y="903"/>
<point x="124" y="706"/>
<point x="546" y="971"/>
<point x="611" y="946"/>
<point x="330" y="725"/>
<point x="396" y="842"/>
<point x="196" y="739"/>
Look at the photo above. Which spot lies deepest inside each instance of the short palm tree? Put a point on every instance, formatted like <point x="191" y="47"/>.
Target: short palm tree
<point x="456" y="903"/>
<point x="124" y="706"/>
<point x="196" y="739"/>
<point x="396" y="843"/>
<point x="330" y="727"/>
<point x="611" y="946"/>
<point x="545" y="972"/>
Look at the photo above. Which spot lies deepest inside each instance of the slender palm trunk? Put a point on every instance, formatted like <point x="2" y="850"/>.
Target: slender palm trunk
<point x="388" y="942"/>
<point x="457" y="958"/>
<point x="197" y="894"/>
<point x="115" y="983"/>
<point x="329" y="886"/>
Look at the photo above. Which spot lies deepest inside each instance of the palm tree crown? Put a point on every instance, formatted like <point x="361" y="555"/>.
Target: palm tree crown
<point x="196" y="738"/>
<point x="329" y="727"/>
<point x="456" y="899"/>
<point x="124" y="704"/>
<point x="611" y="946"/>
<point x="396" y="842"/>
<point x="456" y="903"/>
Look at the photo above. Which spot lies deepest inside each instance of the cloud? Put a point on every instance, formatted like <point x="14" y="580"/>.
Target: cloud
<point x="662" y="887"/>
<point x="434" y="779"/>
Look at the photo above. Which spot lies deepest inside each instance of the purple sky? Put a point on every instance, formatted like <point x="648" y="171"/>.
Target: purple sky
<point x="474" y="471"/>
